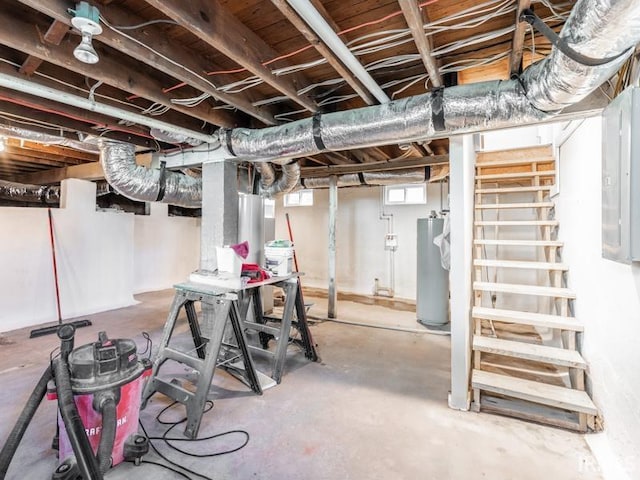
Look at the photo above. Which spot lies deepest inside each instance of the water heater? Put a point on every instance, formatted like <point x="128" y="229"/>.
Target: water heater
<point x="432" y="296"/>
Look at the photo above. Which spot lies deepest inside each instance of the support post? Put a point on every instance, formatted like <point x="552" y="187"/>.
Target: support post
<point x="219" y="210"/>
<point x="219" y="222"/>
<point x="333" y="211"/>
<point x="462" y="162"/>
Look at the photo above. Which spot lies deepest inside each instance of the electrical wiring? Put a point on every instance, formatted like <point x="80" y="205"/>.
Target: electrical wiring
<point x="180" y="468"/>
<point x="146" y="24"/>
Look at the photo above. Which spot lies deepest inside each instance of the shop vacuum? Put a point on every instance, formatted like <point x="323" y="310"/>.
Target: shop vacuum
<point x="98" y="388"/>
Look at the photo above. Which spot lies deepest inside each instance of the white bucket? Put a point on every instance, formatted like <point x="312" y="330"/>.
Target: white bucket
<point x="279" y="260"/>
<point x="228" y="261"/>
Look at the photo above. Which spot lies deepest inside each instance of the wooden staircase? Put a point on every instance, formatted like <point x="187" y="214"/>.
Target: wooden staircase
<point x="526" y="357"/>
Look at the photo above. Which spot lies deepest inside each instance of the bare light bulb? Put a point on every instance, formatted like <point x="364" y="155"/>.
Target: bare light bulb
<point x="85" y="51"/>
<point x="2" y="145"/>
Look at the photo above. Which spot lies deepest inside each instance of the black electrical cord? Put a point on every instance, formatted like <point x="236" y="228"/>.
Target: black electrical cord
<point x="149" y="346"/>
<point x="164" y="437"/>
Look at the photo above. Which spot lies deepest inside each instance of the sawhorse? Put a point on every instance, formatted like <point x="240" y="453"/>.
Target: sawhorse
<point x="219" y="306"/>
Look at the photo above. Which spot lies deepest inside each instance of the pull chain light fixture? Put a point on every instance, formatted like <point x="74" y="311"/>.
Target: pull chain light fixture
<point x="86" y="19"/>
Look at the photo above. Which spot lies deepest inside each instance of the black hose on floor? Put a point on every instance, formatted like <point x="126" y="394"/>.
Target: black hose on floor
<point x="11" y="445"/>
<point x="87" y="462"/>
<point x="108" y="434"/>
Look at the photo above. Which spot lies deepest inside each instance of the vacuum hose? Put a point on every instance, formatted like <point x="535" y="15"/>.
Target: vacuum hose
<point x="87" y="463"/>
<point x="9" y="449"/>
<point x="108" y="434"/>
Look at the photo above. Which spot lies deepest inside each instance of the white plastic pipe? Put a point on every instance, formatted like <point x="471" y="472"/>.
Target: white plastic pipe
<point x="37" y="90"/>
<point x="319" y="25"/>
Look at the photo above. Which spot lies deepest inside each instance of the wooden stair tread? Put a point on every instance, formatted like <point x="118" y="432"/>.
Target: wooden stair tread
<point x="554" y="292"/>
<point x="488" y="206"/>
<point x="530" y="351"/>
<point x="528" y="318"/>
<point x="532" y="151"/>
<point x="483" y="262"/>
<point x="536" y="392"/>
<point x="516" y="223"/>
<point x="532" y="188"/>
<point x="519" y="243"/>
<point x="502" y="176"/>
<point x="506" y="162"/>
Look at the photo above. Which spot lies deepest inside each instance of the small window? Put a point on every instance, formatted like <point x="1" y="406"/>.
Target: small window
<point x="269" y="208"/>
<point x="415" y="194"/>
<point x="301" y="198"/>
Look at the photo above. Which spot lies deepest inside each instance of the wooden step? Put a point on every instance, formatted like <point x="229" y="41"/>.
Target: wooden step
<point x="528" y="318"/>
<point x="533" y="188"/>
<point x="483" y="262"/>
<point x="506" y="162"/>
<point x="529" y="351"/>
<point x="517" y="223"/>
<point x="500" y="206"/>
<point x="536" y="392"/>
<point x="519" y="243"/>
<point x="516" y="288"/>
<point x="515" y="175"/>
<point x="524" y="153"/>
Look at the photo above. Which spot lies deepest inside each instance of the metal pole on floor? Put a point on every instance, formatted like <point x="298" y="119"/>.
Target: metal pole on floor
<point x="333" y="210"/>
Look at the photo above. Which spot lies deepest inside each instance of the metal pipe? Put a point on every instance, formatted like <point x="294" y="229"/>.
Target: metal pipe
<point x="286" y="181"/>
<point x="42" y="91"/>
<point x="308" y="12"/>
<point x="332" y="311"/>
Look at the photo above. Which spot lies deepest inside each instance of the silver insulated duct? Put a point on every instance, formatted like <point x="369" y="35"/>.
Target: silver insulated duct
<point x="143" y="184"/>
<point x="601" y="29"/>
<point x="393" y="177"/>
<point x="22" y="192"/>
<point x="46" y="139"/>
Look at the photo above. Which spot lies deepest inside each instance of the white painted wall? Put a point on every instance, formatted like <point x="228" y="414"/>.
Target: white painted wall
<point x="166" y="249"/>
<point x="94" y="257"/>
<point x="360" y="239"/>
<point x="103" y="257"/>
<point x="608" y="295"/>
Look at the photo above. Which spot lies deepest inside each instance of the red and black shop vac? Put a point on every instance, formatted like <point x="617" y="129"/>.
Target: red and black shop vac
<point x="98" y="388"/>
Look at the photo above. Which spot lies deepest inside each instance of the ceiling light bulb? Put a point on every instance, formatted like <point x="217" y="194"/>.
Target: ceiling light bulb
<point x="2" y="145"/>
<point x="85" y="51"/>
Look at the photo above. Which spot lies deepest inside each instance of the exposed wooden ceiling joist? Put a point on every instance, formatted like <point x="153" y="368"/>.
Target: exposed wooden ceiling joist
<point x="327" y="53"/>
<point x="517" y="43"/>
<point x="414" y="17"/>
<point x="212" y="23"/>
<point x="86" y="171"/>
<point x="34" y="149"/>
<point x="22" y="36"/>
<point x="54" y="35"/>
<point x="173" y="60"/>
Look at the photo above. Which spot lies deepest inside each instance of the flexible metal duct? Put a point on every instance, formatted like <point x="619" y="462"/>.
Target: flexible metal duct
<point x="22" y="192"/>
<point x="46" y="139"/>
<point x="143" y="184"/>
<point x="286" y="181"/>
<point x="598" y="28"/>
<point x="393" y="177"/>
<point x="267" y="174"/>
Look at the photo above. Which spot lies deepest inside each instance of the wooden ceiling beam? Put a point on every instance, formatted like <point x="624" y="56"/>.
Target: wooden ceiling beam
<point x="32" y="148"/>
<point x="326" y="52"/>
<point x="413" y="15"/>
<point x="54" y="35"/>
<point x="183" y="65"/>
<point x="517" y="43"/>
<point x="12" y="156"/>
<point x="307" y="172"/>
<point x="86" y="171"/>
<point x="19" y="35"/>
<point x="44" y="159"/>
<point x="212" y="22"/>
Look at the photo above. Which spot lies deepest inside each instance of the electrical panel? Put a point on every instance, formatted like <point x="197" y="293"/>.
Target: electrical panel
<point x="621" y="178"/>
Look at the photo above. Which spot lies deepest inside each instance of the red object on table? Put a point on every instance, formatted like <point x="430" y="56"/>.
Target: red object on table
<point x="254" y="272"/>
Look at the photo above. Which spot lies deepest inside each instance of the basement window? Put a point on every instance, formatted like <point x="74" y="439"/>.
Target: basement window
<point x="414" y="194"/>
<point x="301" y="198"/>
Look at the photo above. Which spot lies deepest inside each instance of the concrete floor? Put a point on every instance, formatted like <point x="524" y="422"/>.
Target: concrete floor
<point x="375" y="407"/>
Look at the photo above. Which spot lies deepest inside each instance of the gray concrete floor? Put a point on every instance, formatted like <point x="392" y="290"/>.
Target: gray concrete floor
<point x="375" y="407"/>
